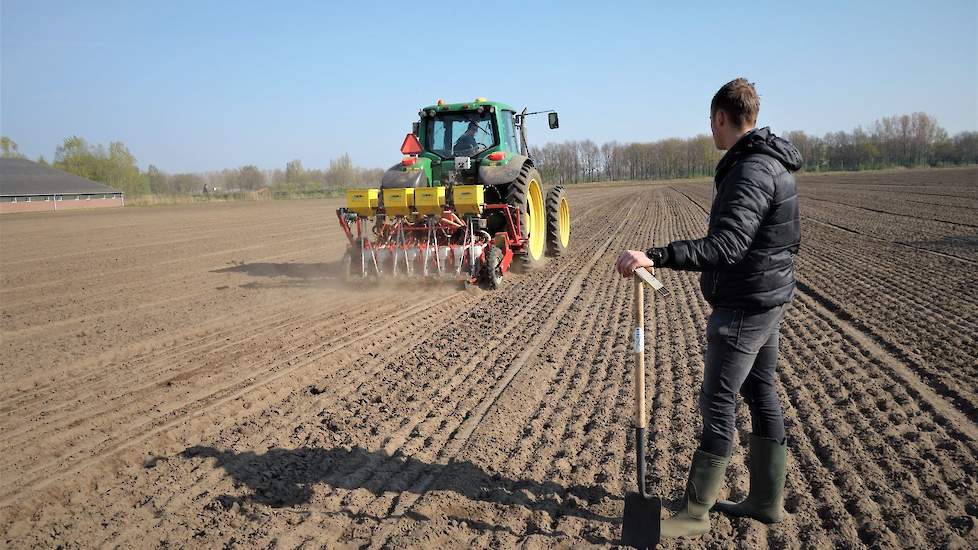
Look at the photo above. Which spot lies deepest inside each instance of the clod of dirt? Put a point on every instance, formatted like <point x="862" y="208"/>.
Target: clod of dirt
<point x="152" y="461"/>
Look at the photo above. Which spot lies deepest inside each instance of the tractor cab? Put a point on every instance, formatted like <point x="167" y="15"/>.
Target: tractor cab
<point x="460" y="143"/>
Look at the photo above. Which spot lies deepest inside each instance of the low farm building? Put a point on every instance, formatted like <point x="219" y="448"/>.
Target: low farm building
<point x="26" y="186"/>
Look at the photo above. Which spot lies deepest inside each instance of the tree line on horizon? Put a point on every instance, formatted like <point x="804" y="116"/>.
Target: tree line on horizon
<point x="905" y="140"/>
<point x="116" y="167"/>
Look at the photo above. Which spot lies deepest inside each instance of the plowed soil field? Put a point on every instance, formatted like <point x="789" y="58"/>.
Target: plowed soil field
<point x="200" y="376"/>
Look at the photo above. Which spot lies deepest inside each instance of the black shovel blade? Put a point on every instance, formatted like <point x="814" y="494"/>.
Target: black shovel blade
<point x="640" y="523"/>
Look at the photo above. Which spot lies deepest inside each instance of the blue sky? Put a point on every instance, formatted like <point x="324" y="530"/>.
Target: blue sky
<point x="195" y="86"/>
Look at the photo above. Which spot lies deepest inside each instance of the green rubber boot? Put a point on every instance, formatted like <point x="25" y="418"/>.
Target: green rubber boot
<point x="702" y="489"/>
<point x="767" y="462"/>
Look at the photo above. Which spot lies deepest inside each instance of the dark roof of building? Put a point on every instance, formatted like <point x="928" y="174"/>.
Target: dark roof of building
<point x="22" y="177"/>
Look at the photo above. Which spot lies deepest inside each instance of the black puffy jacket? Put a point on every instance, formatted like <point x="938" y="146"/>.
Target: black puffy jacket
<point x="747" y="256"/>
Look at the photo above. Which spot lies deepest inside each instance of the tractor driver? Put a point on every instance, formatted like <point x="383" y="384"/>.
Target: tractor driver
<point x="748" y="277"/>
<point x="466" y="143"/>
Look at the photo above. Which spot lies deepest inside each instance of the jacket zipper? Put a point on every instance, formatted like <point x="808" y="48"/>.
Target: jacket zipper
<point x="709" y="225"/>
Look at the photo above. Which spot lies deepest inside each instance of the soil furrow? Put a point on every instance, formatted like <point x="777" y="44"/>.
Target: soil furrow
<point x="301" y="412"/>
<point x="458" y="437"/>
<point x="345" y="475"/>
<point x="196" y="407"/>
<point x="889" y="213"/>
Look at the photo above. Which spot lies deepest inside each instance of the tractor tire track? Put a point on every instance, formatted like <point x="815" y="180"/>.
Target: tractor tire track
<point x="346" y="474"/>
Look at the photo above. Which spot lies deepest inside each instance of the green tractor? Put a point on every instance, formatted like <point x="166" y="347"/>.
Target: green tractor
<point x="463" y="203"/>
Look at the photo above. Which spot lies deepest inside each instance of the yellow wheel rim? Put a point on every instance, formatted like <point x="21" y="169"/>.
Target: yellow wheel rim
<point x="563" y="222"/>
<point x="537" y="222"/>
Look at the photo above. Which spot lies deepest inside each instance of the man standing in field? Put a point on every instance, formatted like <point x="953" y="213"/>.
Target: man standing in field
<point x="748" y="277"/>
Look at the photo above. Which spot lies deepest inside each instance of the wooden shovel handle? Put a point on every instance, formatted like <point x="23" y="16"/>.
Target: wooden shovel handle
<point x="638" y="345"/>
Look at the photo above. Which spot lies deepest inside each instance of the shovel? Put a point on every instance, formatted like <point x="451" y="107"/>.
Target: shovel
<point x="640" y="523"/>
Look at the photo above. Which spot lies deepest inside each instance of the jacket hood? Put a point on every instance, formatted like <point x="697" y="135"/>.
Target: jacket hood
<point x="764" y="142"/>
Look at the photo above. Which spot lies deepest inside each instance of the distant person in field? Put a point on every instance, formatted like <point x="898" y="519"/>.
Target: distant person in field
<point x="466" y="143"/>
<point x="747" y="260"/>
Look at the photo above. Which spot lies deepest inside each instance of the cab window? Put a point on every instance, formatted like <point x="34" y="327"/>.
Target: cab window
<point x="508" y="132"/>
<point x="460" y="134"/>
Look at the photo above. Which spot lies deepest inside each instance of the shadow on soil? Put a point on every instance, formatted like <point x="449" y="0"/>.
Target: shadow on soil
<point x="303" y="271"/>
<point x="290" y="274"/>
<point x="285" y="477"/>
<point x="329" y="274"/>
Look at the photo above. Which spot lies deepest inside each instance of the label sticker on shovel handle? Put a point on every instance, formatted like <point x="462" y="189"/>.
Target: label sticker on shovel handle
<point x="638" y="340"/>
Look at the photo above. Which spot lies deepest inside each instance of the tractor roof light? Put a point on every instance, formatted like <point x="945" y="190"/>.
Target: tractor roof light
<point x="411" y="145"/>
<point x="481" y="100"/>
<point x="440" y="102"/>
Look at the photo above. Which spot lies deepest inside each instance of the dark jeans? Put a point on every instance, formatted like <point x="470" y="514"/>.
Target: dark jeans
<point x="741" y="357"/>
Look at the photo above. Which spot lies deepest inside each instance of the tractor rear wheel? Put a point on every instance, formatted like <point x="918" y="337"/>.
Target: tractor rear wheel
<point x="525" y="194"/>
<point x="558" y="222"/>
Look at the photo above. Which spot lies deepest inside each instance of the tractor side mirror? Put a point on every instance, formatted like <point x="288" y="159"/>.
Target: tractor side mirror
<point x="552" y="119"/>
<point x="415" y="128"/>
